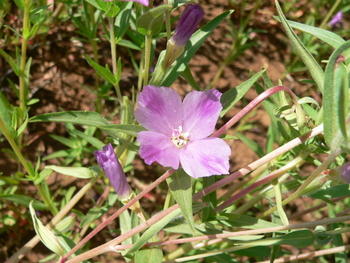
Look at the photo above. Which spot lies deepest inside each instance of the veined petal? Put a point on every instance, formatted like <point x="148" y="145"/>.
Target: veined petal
<point x="159" y="109"/>
<point x="205" y="157"/>
<point x="201" y="111"/>
<point x="156" y="147"/>
<point x="108" y="161"/>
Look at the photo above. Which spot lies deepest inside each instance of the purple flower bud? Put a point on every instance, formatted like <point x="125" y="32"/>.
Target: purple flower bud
<point x="187" y="24"/>
<point x="108" y="161"/>
<point x="344" y="173"/>
<point x="336" y="19"/>
<point x="142" y="2"/>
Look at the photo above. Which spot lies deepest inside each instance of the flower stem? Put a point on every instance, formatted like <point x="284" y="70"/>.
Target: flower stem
<point x="147" y="57"/>
<point x="23" y="87"/>
<point x="114" y="57"/>
<point x="15" y="148"/>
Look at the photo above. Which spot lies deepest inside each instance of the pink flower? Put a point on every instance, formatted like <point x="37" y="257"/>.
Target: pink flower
<point x="109" y="163"/>
<point x="337" y="18"/>
<point x="142" y="2"/>
<point x="178" y="131"/>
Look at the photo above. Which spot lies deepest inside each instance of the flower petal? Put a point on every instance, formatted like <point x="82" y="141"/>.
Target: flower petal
<point x="159" y="109"/>
<point x="201" y="111"/>
<point x="205" y="157"/>
<point x="109" y="163"/>
<point x="156" y="147"/>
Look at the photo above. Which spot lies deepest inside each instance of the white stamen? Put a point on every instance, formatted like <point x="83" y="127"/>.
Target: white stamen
<point x="180" y="138"/>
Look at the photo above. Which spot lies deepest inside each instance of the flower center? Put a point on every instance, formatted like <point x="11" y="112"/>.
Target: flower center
<point x="180" y="138"/>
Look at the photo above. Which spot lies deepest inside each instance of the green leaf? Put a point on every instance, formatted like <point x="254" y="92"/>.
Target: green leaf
<point x="112" y="11"/>
<point x="106" y="74"/>
<point x="132" y="130"/>
<point x="90" y="139"/>
<point x="45" y="235"/>
<point x="155" y="228"/>
<point x="11" y="61"/>
<point x="5" y="114"/>
<point x="310" y="62"/>
<point x="321" y="236"/>
<point x="151" y="22"/>
<point x="251" y="144"/>
<point x="299" y="238"/>
<point x="150" y="255"/>
<point x="332" y="192"/>
<point x="232" y="96"/>
<point x="78" y="172"/>
<point x="24" y="200"/>
<point x="195" y="42"/>
<point x="244" y="221"/>
<point x="180" y="184"/>
<point x="93" y="214"/>
<point x="326" y="36"/>
<point x="187" y="74"/>
<point x="78" y="117"/>
<point x="336" y="98"/>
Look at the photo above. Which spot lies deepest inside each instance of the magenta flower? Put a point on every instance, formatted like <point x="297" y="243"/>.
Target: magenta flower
<point x="178" y="131"/>
<point x="142" y="2"/>
<point x="337" y="18"/>
<point x="109" y="163"/>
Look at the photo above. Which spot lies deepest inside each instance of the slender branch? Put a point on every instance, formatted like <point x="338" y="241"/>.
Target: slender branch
<point x="263" y="96"/>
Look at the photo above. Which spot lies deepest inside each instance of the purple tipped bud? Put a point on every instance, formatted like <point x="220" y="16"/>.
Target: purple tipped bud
<point x="187" y="24"/>
<point x="341" y="173"/>
<point x="337" y="18"/>
<point x="108" y="161"/>
<point x="142" y="2"/>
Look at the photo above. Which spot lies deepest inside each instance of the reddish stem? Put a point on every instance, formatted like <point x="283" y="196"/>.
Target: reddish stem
<point x="263" y="96"/>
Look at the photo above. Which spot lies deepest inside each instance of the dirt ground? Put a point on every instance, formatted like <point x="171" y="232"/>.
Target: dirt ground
<point x="59" y="72"/>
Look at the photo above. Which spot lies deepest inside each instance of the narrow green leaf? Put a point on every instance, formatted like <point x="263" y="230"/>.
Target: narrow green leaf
<point x="5" y="114"/>
<point x="326" y="36"/>
<point x="149" y="233"/>
<point x="180" y="184"/>
<point x="336" y="100"/>
<point x="78" y="117"/>
<point x="309" y="61"/>
<point x="191" y="48"/>
<point x="187" y="74"/>
<point x="332" y="192"/>
<point x="24" y="200"/>
<point x="150" y="255"/>
<point x="90" y="139"/>
<point x="78" y="172"/>
<point x="11" y="61"/>
<point x="45" y="235"/>
<point x="232" y="96"/>
<point x="132" y="130"/>
<point x="106" y="74"/>
<point x="244" y="221"/>
<point x="251" y="144"/>
<point x="299" y="238"/>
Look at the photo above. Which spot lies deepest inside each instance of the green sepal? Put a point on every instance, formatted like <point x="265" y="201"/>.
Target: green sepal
<point x="151" y="22"/>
